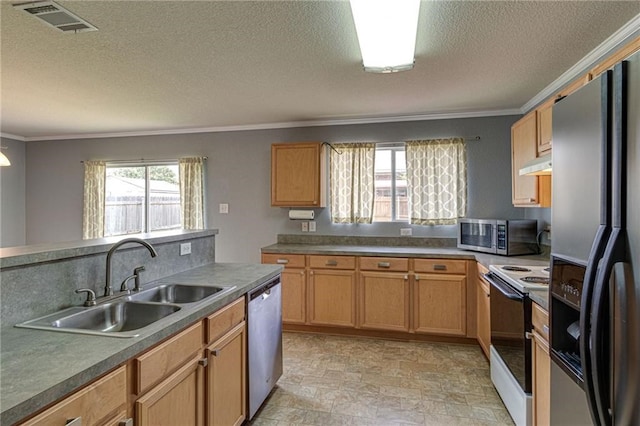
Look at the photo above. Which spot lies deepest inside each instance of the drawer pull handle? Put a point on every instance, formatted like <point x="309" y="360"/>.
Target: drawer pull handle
<point x="215" y="352"/>
<point x="332" y="263"/>
<point x="545" y="329"/>
<point x="384" y="265"/>
<point x="203" y="362"/>
<point x="417" y="277"/>
<point x="126" y="422"/>
<point x="74" y="422"/>
<point x="282" y="261"/>
<point x="439" y="267"/>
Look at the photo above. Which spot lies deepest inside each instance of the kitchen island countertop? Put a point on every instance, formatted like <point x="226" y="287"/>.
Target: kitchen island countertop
<point x="39" y="367"/>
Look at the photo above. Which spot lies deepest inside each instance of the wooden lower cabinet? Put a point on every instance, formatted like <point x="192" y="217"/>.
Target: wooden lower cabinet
<point x="541" y="367"/>
<point x="177" y="400"/>
<point x="100" y="403"/>
<point x="226" y="378"/>
<point x="384" y="301"/>
<point x="483" y="313"/>
<point x="440" y="304"/>
<point x="294" y="296"/>
<point x="332" y="297"/>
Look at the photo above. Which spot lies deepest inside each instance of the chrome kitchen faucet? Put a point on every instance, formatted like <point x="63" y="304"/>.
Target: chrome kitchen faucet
<point x="108" y="290"/>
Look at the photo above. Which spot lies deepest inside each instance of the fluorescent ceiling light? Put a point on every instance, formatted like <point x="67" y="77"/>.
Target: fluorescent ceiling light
<point x="386" y="33"/>
<point x="4" y="161"/>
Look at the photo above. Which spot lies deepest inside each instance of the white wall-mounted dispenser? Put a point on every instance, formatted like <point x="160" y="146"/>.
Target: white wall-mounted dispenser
<point x="301" y="214"/>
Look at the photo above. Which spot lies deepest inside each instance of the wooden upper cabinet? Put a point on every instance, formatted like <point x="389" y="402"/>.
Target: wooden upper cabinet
<point x="626" y="51"/>
<point x="524" y="148"/>
<point x="544" y="118"/>
<point x="297" y="175"/>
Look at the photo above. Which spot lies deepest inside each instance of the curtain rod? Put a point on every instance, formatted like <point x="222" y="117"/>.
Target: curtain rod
<point x="399" y="143"/>
<point x="142" y="161"/>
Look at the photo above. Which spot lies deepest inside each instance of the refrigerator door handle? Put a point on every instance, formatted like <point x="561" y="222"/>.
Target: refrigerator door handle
<point x="599" y="337"/>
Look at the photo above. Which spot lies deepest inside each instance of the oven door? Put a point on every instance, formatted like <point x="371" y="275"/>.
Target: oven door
<point x="510" y="323"/>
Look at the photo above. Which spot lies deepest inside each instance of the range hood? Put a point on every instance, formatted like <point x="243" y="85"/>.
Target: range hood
<point x="537" y="167"/>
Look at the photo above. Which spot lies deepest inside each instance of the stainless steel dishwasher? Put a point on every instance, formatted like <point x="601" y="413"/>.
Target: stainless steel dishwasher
<point x="265" y="341"/>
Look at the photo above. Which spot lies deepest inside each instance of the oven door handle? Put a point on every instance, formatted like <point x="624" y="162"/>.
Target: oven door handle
<point x="505" y="289"/>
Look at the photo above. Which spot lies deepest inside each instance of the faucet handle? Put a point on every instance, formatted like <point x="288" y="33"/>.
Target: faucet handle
<point x="139" y="269"/>
<point x="91" y="296"/>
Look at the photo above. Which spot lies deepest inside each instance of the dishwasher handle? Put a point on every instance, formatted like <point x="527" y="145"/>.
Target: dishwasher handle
<point x="264" y="290"/>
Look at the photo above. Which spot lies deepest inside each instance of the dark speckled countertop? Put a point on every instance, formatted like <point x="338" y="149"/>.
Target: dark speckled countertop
<point x="38" y="367"/>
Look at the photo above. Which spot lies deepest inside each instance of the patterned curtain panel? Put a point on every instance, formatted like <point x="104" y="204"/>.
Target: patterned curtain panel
<point x="95" y="173"/>
<point x="437" y="181"/>
<point x="352" y="182"/>
<point x="191" y="172"/>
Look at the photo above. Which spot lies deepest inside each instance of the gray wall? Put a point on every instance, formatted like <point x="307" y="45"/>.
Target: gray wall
<point x="239" y="174"/>
<point x="12" y="199"/>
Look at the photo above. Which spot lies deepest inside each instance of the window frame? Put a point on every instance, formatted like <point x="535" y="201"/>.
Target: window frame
<point x="147" y="191"/>
<point x="394" y="147"/>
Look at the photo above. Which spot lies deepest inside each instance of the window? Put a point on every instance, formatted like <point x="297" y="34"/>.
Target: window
<point x="391" y="200"/>
<point x="141" y="198"/>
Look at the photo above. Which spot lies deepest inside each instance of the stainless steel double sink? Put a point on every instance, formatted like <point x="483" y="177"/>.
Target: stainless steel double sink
<point x="128" y="315"/>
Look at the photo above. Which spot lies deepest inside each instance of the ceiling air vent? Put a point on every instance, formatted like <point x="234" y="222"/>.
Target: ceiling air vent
<point x="56" y="16"/>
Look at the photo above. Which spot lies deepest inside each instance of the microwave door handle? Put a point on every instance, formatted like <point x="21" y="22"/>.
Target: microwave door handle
<point x="505" y="289"/>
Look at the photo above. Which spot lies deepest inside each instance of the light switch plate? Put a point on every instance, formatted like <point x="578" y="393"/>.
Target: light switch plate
<point x="305" y="226"/>
<point x="185" y="248"/>
<point x="405" y="232"/>
<point x="224" y="208"/>
<point x="312" y="226"/>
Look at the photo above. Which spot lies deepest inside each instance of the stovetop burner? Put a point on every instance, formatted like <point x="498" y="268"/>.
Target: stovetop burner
<point x="516" y="268"/>
<point x="535" y="279"/>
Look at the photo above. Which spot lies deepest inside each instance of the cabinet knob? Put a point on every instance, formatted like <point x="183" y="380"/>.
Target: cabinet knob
<point x="203" y="362"/>
<point x="74" y="422"/>
<point x="126" y="422"/>
<point x="215" y="352"/>
<point x="417" y="277"/>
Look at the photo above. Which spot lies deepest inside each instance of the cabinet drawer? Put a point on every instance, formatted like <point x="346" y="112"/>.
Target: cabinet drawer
<point x="332" y="262"/>
<point x="384" y="264"/>
<point x="440" y="266"/>
<point x="286" y="260"/>
<point x="165" y="358"/>
<point x="93" y="403"/>
<point x="540" y="320"/>
<point x="225" y="319"/>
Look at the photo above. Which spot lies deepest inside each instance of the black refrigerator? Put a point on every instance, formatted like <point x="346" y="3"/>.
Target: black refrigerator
<point x="594" y="304"/>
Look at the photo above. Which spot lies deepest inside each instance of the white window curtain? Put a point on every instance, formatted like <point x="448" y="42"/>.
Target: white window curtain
<point x="191" y="172"/>
<point x="94" y="194"/>
<point x="437" y="181"/>
<point x="352" y="179"/>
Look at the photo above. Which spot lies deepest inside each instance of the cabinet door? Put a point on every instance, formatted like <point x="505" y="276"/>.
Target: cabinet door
<point x="177" y="400"/>
<point x="440" y="304"/>
<point x="544" y="116"/>
<point x="297" y="175"/>
<point x="332" y="297"/>
<point x="484" y="315"/>
<point x="226" y="378"/>
<point x="384" y="301"/>
<point x="100" y="403"/>
<point x="524" y="148"/>
<point x="541" y="391"/>
<point x="293" y="296"/>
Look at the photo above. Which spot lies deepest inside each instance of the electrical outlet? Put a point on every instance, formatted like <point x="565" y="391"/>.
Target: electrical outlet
<point x="185" y="248"/>
<point x="224" y="208"/>
<point x="312" y="226"/>
<point x="305" y="226"/>
<point x="405" y="232"/>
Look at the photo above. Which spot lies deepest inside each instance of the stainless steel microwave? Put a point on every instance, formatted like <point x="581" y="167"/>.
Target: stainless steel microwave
<point x="498" y="236"/>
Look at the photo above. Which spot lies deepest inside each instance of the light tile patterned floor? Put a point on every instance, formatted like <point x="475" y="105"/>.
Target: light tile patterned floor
<point x="330" y="380"/>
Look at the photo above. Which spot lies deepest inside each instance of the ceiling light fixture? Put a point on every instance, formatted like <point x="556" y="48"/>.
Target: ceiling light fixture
<point x="386" y="33"/>
<point x="56" y="16"/>
<point x="4" y="161"/>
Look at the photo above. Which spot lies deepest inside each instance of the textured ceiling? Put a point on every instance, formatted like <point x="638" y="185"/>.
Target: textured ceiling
<point x="180" y="65"/>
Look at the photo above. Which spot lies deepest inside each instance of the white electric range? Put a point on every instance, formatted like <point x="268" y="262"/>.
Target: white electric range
<point x="510" y="352"/>
<point x="523" y="278"/>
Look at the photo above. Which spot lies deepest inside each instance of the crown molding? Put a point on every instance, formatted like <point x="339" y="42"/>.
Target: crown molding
<point x="625" y="32"/>
<point x="14" y="137"/>
<point x="283" y="125"/>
